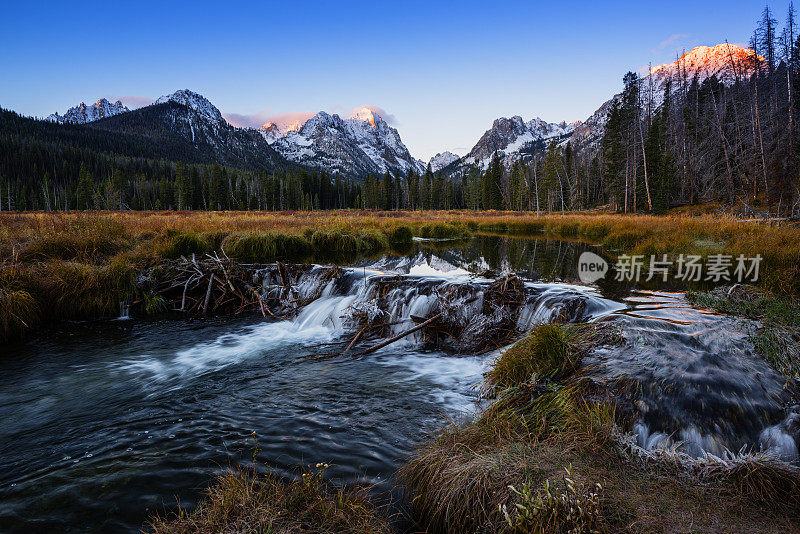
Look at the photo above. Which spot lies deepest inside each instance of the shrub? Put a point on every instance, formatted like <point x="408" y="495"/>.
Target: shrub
<point x="572" y="509"/>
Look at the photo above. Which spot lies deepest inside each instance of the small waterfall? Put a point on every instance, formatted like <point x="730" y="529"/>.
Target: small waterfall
<point x="124" y="311"/>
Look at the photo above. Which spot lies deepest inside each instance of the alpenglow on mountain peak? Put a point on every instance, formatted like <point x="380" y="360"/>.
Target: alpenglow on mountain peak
<point x="365" y="114"/>
<point x="359" y="145"/>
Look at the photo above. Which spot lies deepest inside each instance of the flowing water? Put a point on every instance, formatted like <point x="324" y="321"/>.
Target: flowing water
<point x="105" y="423"/>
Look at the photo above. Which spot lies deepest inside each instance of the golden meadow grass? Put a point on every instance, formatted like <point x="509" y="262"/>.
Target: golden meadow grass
<point x="81" y="265"/>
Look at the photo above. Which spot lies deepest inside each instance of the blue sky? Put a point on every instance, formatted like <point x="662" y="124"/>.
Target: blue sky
<point x="441" y="71"/>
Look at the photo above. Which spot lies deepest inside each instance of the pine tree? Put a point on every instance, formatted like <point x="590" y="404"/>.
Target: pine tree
<point x="84" y="194"/>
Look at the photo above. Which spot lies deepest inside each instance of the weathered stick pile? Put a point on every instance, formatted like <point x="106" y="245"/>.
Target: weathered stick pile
<point x="201" y="287"/>
<point x="451" y="322"/>
<point x="462" y="316"/>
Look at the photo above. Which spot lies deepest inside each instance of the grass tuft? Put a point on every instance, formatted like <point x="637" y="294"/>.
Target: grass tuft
<point x="548" y="350"/>
<point x="183" y="244"/>
<point x="245" y="502"/>
<point x="18" y="313"/>
<point x="444" y="231"/>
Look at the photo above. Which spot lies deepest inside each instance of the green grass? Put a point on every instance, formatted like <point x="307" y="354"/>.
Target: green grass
<point x="443" y="231"/>
<point x="548" y="350"/>
<point x="245" y="502"/>
<point x="177" y="244"/>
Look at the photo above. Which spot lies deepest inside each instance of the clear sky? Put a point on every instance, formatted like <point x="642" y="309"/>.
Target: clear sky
<point x="442" y="71"/>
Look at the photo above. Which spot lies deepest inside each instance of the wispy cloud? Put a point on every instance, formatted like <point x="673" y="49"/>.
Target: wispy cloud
<point x="131" y="101"/>
<point x="672" y="40"/>
<point x="390" y="119"/>
<point x="256" y="120"/>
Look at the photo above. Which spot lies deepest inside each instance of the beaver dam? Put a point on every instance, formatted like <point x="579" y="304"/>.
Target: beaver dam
<point x="109" y="422"/>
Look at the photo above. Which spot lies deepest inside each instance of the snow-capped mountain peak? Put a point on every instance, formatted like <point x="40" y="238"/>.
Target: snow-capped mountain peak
<point x="82" y="114"/>
<point x="193" y="101"/>
<point x="514" y="138"/>
<point x="361" y="144"/>
<point x="725" y="61"/>
<point x="442" y="160"/>
<point x="365" y="114"/>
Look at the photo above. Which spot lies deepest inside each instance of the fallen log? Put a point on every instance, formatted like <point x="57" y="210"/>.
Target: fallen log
<point x="398" y="336"/>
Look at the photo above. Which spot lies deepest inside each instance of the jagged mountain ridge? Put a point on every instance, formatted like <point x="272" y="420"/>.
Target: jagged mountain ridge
<point x="208" y="139"/>
<point x="194" y="101"/>
<point x="442" y="160"/>
<point x="362" y="144"/>
<point x="514" y="139"/>
<point x="83" y="114"/>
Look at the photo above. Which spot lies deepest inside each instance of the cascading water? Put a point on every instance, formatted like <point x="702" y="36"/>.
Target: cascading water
<point x="123" y="417"/>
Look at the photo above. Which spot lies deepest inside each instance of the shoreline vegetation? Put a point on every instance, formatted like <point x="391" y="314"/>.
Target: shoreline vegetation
<point x="83" y="265"/>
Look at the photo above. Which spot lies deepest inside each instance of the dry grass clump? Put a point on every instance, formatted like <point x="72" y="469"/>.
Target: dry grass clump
<point x="244" y="502"/>
<point x="18" y="313"/>
<point x="71" y="290"/>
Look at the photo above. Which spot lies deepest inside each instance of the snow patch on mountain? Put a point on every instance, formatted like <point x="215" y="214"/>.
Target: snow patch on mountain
<point x="82" y="114"/>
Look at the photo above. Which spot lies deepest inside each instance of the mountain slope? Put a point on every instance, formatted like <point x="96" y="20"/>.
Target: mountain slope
<point x="442" y="160"/>
<point x="196" y="134"/>
<point x="196" y="102"/>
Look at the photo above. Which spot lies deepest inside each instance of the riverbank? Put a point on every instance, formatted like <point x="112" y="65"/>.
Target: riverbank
<point x="79" y="265"/>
